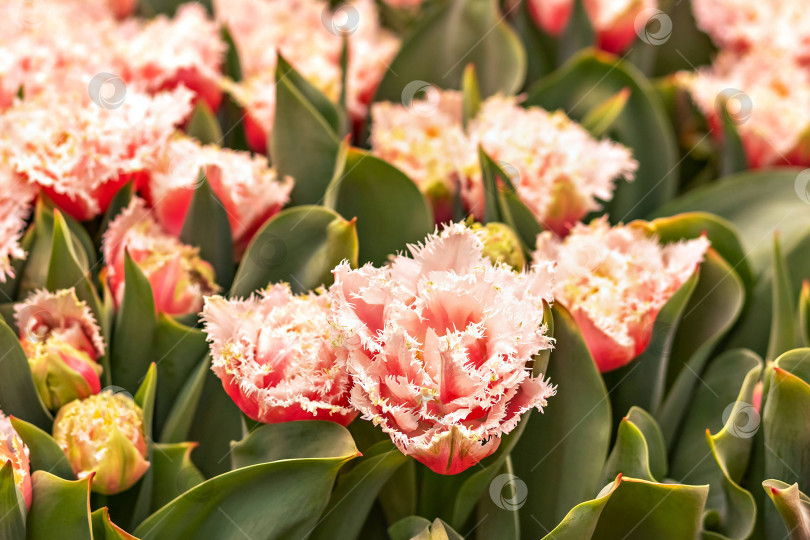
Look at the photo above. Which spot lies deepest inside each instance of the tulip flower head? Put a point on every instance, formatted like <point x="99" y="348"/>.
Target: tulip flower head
<point x="614" y="281"/>
<point x="275" y="357"/>
<point x="179" y="277"/>
<point x="12" y="449"/>
<point x="245" y="184"/>
<point x="16" y="197"/>
<point x="438" y="347"/>
<point x="103" y="435"/>
<point x="63" y="343"/>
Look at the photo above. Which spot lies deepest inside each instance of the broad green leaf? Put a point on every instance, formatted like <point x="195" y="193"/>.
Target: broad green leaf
<point x="419" y="528"/>
<point x="305" y="138"/>
<point x="292" y="440"/>
<point x="280" y="499"/>
<point x="207" y="227"/>
<point x="732" y="152"/>
<point x="793" y="507"/>
<point x="630" y="456"/>
<point x="656" y="447"/>
<point x="121" y="200"/>
<point x="783" y="325"/>
<point x="12" y="505"/>
<point x="141" y="493"/>
<point x="18" y="395"/>
<point x="233" y="65"/>
<point x="686" y="47"/>
<point x="105" y="529"/>
<point x="585" y="82"/>
<point x="567" y="445"/>
<point x="713" y="308"/>
<point x="203" y="125"/>
<point x="354" y="493"/>
<point x="399" y="495"/>
<point x="173" y="472"/>
<point x="299" y="245"/>
<point x="497" y="510"/>
<point x="453" y="34"/>
<point x="600" y="118"/>
<point x="581" y="521"/>
<point x="46" y="454"/>
<point x="471" y="94"/>
<point x="178" y="421"/>
<point x="390" y="210"/>
<point x="578" y="33"/>
<point x="59" y="505"/>
<point x="133" y="335"/>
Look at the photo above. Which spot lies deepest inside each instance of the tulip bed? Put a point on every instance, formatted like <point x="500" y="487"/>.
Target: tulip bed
<point x="406" y="269"/>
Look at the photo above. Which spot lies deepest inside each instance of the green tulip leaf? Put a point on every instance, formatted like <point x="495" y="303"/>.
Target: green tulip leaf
<point x="452" y="35"/>
<point x="581" y="521"/>
<point x="105" y="529"/>
<point x="630" y="455"/>
<point x="12" y="505"/>
<point x="567" y="445"/>
<point x="654" y="439"/>
<point x="419" y="528"/>
<point x="599" y="119"/>
<point x="804" y="314"/>
<point x="732" y="154"/>
<point x="173" y="472"/>
<point x="471" y="94"/>
<point x="793" y="507"/>
<point x="203" y="125"/>
<point x="399" y="495"/>
<point x="390" y="210"/>
<point x="497" y="510"/>
<point x="18" y="395"/>
<point x="578" y="34"/>
<point x="45" y="452"/>
<point x="783" y="325"/>
<point x="120" y="201"/>
<point x="299" y="245"/>
<point x="59" y="505"/>
<point x="177" y="424"/>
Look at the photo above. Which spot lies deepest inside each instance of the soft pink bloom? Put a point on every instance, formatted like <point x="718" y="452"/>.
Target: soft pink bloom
<point x="613" y="21"/>
<point x="63" y="342"/>
<point x="103" y="436"/>
<point x="614" y="281"/>
<point x="122" y="8"/>
<point x="304" y="33"/>
<point x="560" y="171"/>
<point x="14" y="450"/>
<point x="275" y="357"/>
<point x="179" y="277"/>
<point x="438" y="347"/>
<point x="81" y="153"/>
<point x="743" y="25"/>
<point x="164" y="52"/>
<point x="245" y="184"/>
<point x="762" y="89"/>
<point x="16" y="197"/>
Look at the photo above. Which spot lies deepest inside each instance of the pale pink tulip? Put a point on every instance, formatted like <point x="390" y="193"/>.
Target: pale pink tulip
<point x="614" y="281"/>
<point x="275" y="357"/>
<point x="103" y="435"/>
<point x="12" y="449"/>
<point x="62" y="341"/>
<point x="439" y="347"/>
<point x="179" y="277"/>
<point x="16" y="197"/>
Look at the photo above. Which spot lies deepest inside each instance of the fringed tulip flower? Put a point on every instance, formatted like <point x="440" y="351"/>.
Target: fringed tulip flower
<point x="62" y="341"/>
<point x="760" y="91"/>
<point x="179" y="277"/>
<point x="12" y="449"/>
<point x="103" y="435"/>
<point x="614" y="281"/>
<point x="16" y="197"/>
<point x="613" y="21"/>
<point x="275" y="357"/>
<point x="164" y="53"/>
<point x="81" y="152"/>
<point x="560" y="172"/>
<point x="439" y="347"/>
<point x="245" y="184"/>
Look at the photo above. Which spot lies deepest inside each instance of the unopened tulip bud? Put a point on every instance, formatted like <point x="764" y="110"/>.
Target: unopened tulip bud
<point x="62" y="342"/>
<point x="13" y="450"/>
<point x="103" y="435"/>
<point x="501" y="244"/>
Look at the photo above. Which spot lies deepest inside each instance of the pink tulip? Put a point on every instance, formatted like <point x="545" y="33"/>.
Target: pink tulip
<point x="103" y="436"/>
<point x="275" y="357"/>
<point x="16" y="198"/>
<point x="179" y="277"/>
<point x="245" y="184"/>
<point x="614" y="281"/>
<point x="62" y="341"/>
<point x="12" y="449"/>
<point x="438" y="347"/>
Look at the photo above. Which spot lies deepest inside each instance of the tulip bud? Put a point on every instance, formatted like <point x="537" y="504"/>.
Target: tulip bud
<point x="62" y="342"/>
<point x="179" y="277"/>
<point x="614" y="281"/>
<point x="275" y="357"/>
<point x="438" y="344"/>
<point x="14" y="450"/>
<point x="103" y="435"/>
<point x="501" y="244"/>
